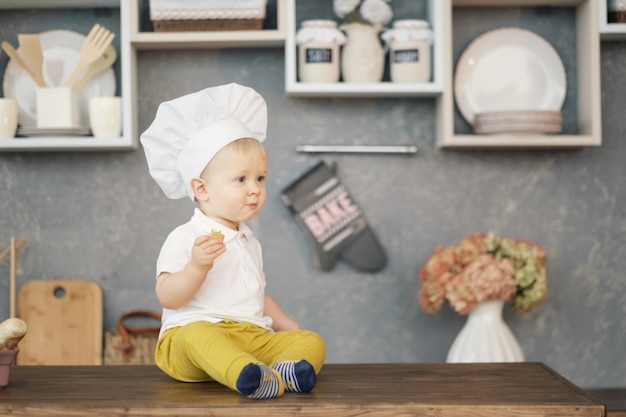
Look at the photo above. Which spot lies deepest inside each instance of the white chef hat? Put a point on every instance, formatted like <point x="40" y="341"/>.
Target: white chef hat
<point x="188" y="131"/>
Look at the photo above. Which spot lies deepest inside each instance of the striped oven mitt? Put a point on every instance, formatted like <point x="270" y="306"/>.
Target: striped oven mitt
<point x="332" y="221"/>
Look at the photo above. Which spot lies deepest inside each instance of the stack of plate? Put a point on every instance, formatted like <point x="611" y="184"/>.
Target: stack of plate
<point x="511" y="80"/>
<point x="520" y="121"/>
<point x="53" y="131"/>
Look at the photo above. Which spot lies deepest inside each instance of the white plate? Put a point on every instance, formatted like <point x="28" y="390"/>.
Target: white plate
<point x="542" y="114"/>
<point x="61" y="49"/>
<point x="509" y="69"/>
<point x="518" y="127"/>
<point x="518" y="117"/>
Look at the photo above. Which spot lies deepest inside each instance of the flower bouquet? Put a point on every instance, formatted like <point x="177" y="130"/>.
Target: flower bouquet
<point x="484" y="267"/>
<point x="367" y="12"/>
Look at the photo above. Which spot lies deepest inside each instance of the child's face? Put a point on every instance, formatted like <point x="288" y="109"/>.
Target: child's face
<point x="235" y="186"/>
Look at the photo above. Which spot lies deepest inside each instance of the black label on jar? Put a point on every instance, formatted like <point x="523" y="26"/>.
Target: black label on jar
<point x="319" y="55"/>
<point x="401" y="56"/>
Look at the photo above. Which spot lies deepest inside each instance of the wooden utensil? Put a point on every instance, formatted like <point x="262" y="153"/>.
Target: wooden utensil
<point x="64" y="320"/>
<point x="12" y="279"/>
<point x="14" y="55"/>
<point x="30" y="49"/>
<point x="99" y="65"/>
<point x="96" y="42"/>
<point x="12" y="251"/>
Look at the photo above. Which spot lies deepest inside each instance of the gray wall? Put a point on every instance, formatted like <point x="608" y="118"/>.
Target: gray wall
<point x="100" y="216"/>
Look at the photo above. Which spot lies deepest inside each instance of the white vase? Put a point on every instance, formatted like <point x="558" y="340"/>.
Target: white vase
<point x="485" y="337"/>
<point x="362" y="57"/>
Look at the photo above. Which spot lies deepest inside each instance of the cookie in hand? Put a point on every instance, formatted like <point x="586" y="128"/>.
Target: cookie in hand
<point x="216" y="234"/>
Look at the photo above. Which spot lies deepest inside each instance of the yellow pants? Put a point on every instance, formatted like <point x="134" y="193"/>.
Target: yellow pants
<point x="204" y="351"/>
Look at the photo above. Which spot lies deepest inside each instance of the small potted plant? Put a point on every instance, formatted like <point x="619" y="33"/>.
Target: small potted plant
<point x="477" y="277"/>
<point x="11" y="332"/>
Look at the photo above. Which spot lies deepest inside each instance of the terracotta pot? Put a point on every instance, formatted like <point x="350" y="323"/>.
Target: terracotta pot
<point x="7" y="359"/>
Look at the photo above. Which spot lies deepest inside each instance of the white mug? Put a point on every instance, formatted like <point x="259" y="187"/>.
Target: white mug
<point x="8" y="118"/>
<point x="105" y="116"/>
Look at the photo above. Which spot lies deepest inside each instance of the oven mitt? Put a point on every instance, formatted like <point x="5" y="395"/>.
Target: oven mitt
<point x="332" y="221"/>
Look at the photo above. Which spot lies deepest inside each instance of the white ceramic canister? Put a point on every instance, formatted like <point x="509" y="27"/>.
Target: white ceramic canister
<point x="318" y="51"/>
<point x="409" y="43"/>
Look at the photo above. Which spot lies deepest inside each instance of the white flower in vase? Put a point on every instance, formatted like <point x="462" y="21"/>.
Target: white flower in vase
<point x="369" y="12"/>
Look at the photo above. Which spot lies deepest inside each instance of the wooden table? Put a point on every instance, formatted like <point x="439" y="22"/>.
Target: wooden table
<point x="613" y="398"/>
<point x="372" y="390"/>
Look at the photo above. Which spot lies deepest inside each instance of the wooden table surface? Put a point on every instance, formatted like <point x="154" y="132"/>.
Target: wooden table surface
<point x="390" y="390"/>
<point x="613" y="398"/>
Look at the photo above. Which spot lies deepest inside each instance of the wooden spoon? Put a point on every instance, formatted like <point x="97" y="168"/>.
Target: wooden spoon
<point x="14" y="55"/>
<point x="12" y="249"/>
<point x="94" y="45"/>
<point x="99" y="65"/>
<point x="30" y="48"/>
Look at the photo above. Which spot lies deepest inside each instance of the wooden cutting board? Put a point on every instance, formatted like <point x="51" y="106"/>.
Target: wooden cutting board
<point x="64" y="319"/>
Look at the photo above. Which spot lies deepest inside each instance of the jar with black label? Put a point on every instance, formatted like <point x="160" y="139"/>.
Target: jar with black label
<point x="409" y="43"/>
<point x="318" y="51"/>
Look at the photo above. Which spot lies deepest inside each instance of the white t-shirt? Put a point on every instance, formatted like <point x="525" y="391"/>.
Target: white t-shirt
<point x="234" y="288"/>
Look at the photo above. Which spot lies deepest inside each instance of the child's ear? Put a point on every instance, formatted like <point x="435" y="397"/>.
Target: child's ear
<point x="199" y="189"/>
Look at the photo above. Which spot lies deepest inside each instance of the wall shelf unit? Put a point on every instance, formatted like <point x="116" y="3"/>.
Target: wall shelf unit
<point x="131" y="41"/>
<point x="128" y="140"/>
<point x="609" y="31"/>
<point x="591" y="26"/>
<point x="587" y="84"/>
<point x="295" y="88"/>
<point x="202" y="40"/>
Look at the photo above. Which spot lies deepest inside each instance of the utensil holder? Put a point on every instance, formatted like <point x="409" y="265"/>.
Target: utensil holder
<point x="57" y="107"/>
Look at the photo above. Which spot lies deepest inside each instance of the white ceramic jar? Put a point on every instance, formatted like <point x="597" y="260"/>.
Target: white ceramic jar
<point x="409" y="43"/>
<point x="616" y="11"/>
<point x="318" y="51"/>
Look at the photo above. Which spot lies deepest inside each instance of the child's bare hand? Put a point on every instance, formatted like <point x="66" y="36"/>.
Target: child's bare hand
<point x="204" y="252"/>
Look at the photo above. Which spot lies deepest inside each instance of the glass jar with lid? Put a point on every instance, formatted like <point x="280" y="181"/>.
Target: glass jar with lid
<point x="318" y="51"/>
<point x="409" y="42"/>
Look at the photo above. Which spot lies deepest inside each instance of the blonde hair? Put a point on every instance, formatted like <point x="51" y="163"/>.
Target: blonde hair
<point x="244" y="146"/>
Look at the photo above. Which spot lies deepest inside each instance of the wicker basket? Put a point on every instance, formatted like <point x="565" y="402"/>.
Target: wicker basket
<point x="192" y="25"/>
<point x="207" y="15"/>
<point x="617" y="16"/>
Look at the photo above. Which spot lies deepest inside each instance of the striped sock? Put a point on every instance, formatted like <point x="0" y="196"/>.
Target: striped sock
<point x="298" y="376"/>
<point x="259" y="381"/>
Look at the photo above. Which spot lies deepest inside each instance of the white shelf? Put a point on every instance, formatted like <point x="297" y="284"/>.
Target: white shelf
<point x="382" y="89"/>
<point x="588" y="25"/>
<point x="63" y="143"/>
<point x="128" y="140"/>
<point x="588" y="84"/>
<point x="609" y="31"/>
<point x="203" y="40"/>
<point x="295" y="88"/>
<point x="613" y="31"/>
<point x="56" y="4"/>
<point x="519" y="141"/>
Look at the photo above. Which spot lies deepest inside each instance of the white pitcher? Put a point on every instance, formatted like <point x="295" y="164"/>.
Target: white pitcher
<point x="363" y="57"/>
